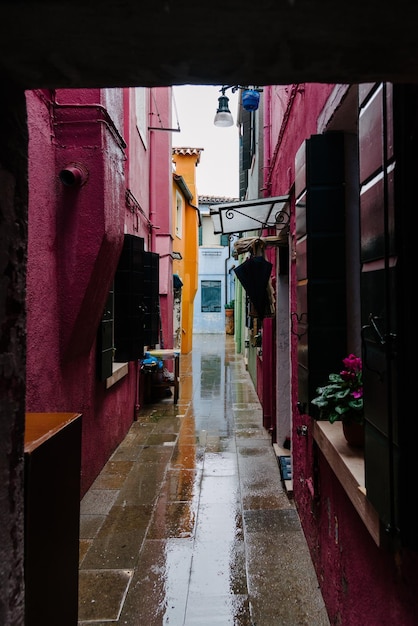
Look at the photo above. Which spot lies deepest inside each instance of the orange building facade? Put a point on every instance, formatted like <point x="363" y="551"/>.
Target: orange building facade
<point x="186" y="221"/>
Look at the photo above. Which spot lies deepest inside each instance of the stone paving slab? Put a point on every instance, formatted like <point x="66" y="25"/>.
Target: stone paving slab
<point x="189" y="523"/>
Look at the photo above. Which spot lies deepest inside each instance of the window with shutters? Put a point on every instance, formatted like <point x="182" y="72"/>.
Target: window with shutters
<point x="225" y="240"/>
<point x="211" y="296"/>
<point x="105" y="340"/>
<point x="129" y="301"/>
<point x="151" y="299"/>
<point x="386" y="497"/>
<point x="131" y="319"/>
<point x="327" y="320"/>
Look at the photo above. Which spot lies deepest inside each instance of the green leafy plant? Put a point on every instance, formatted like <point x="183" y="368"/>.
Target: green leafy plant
<point x="342" y="398"/>
<point x="230" y="304"/>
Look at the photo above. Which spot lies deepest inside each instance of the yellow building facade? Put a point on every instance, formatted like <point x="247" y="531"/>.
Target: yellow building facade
<point x="186" y="222"/>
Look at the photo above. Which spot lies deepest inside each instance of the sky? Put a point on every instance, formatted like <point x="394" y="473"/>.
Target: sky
<point x="217" y="173"/>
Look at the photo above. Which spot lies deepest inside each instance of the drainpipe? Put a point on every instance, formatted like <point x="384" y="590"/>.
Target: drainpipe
<point x="226" y="276"/>
<point x="267" y="138"/>
<point x="295" y="89"/>
<point x="137" y="403"/>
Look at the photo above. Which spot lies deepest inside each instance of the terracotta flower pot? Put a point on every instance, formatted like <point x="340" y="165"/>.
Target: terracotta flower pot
<point x="229" y="321"/>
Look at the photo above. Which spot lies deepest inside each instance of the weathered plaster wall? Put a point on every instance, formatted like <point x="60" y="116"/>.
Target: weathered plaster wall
<point x="13" y="245"/>
<point x="186" y="160"/>
<point x="351" y="568"/>
<point x="137" y="167"/>
<point x="75" y="236"/>
<point x="160" y="190"/>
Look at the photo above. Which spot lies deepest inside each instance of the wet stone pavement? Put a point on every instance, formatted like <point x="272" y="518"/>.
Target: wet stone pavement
<point x="188" y="523"/>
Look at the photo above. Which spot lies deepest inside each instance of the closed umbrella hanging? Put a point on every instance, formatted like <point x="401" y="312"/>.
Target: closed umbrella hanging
<point x="254" y="275"/>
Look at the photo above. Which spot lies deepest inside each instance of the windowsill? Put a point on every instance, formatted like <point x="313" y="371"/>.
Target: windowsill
<point x="119" y="370"/>
<point x="347" y="464"/>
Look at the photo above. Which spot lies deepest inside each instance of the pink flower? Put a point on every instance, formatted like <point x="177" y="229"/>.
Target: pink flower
<point x="349" y="376"/>
<point x="342" y="398"/>
<point x="352" y="362"/>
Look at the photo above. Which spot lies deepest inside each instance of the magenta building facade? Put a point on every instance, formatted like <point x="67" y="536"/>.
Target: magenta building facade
<point x="97" y="175"/>
<point x="356" y="511"/>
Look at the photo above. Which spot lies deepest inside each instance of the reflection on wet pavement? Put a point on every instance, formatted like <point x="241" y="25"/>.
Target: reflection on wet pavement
<point x="188" y="524"/>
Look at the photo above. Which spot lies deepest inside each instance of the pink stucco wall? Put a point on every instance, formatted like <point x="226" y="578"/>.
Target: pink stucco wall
<point x="361" y="584"/>
<point x="148" y="178"/>
<point x="75" y="237"/>
<point x="137" y="167"/>
<point x="161" y="202"/>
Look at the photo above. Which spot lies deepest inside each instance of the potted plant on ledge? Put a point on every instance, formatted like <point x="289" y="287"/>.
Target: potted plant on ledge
<point x="342" y="399"/>
<point x="229" y="317"/>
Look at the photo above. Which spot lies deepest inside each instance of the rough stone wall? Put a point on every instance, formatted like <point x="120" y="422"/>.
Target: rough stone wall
<point x="13" y="242"/>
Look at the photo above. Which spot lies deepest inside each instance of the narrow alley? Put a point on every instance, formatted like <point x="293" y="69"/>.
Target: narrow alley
<point x="188" y="523"/>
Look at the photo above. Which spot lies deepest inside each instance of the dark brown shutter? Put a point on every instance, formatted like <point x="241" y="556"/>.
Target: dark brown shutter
<point x="388" y="148"/>
<point x="151" y="299"/>
<point x="378" y="299"/>
<point x="320" y="319"/>
<point x="403" y="340"/>
<point x="129" y="301"/>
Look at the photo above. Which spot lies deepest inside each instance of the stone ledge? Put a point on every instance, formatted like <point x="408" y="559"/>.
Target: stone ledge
<point x="347" y="464"/>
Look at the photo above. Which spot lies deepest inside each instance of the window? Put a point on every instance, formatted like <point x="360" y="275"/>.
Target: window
<point x="207" y="238"/>
<point x="211" y="296"/>
<point x="108" y="368"/>
<point x="141" y="113"/>
<point x="131" y="318"/>
<point x="179" y="214"/>
<point x="105" y="340"/>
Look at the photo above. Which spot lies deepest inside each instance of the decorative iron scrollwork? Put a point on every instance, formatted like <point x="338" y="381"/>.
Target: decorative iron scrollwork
<point x="295" y="320"/>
